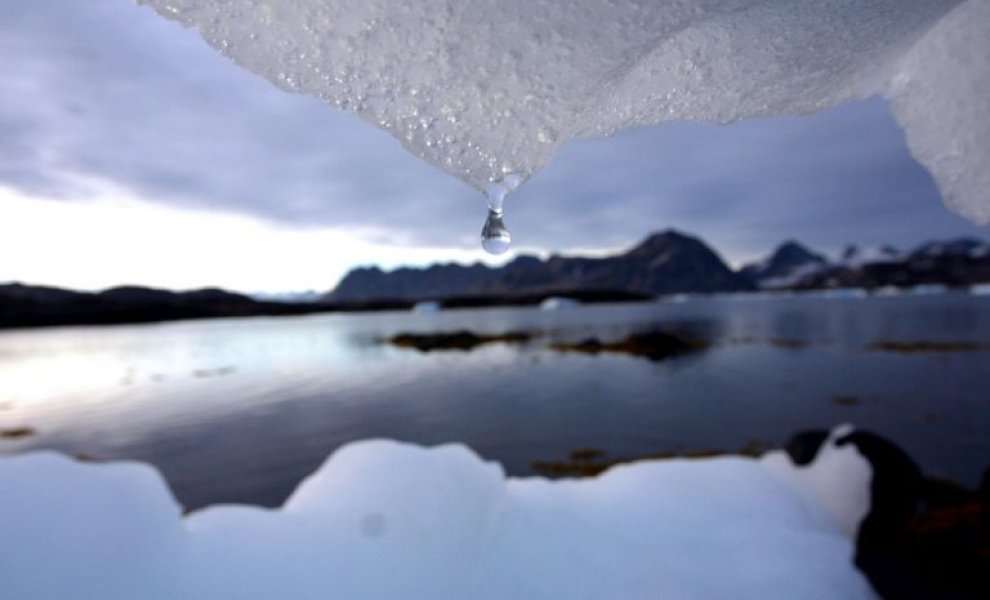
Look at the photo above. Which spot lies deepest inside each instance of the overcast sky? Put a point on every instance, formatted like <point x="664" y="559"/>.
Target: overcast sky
<point x="130" y="152"/>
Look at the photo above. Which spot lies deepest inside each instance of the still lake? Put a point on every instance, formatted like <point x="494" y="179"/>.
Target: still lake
<point x="239" y="410"/>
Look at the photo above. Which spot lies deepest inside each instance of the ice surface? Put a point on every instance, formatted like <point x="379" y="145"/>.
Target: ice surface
<point x="483" y="88"/>
<point x="382" y="519"/>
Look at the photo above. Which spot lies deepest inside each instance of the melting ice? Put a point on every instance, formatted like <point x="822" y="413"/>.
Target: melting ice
<point x="481" y="88"/>
<point x="386" y="520"/>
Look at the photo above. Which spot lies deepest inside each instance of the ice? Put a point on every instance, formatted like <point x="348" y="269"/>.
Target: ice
<point x="485" y="88"/>
<point x="941" y="96"/>
<point x="382" y="519"/>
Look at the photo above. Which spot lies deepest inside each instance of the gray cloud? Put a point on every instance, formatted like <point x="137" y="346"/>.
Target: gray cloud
<point x="831" y="178"/>
<point x="105" y="89"/>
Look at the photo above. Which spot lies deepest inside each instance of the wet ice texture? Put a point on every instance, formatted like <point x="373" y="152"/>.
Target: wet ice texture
<point x="387" y="520"/>
<point x="481" y="88"/>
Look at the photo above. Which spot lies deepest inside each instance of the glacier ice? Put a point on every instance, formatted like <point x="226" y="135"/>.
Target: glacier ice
<point x="483" y="88"/>
<point x="382" y="519"/>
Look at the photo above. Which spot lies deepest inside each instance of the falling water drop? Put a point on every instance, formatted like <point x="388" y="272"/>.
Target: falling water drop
<point x="495" y="237"/>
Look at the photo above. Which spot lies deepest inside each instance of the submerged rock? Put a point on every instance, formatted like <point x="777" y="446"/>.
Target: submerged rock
<point x="653" y="345"/>
<point x="456" y="340"/>
<point x="16" y="433"/>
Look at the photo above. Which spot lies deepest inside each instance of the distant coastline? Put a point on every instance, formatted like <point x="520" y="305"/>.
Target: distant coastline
<point x="26" y="306"/>
<point x="666" y="264"/>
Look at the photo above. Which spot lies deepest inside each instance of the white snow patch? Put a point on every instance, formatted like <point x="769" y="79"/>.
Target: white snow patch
<point x="856" y="256"/>
<point x="794" y="276"/>
<point x="484" y="88"/>
<point x="382" y="519"/>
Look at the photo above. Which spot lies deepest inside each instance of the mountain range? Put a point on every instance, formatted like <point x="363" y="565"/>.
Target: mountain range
<point x="672" y="262"/>
<point x="36" y="306"/>
<point x="668" y="262"/>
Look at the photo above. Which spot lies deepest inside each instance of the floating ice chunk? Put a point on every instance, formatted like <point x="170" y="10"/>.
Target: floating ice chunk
<point x="484" y="88"/>
<point x="382" y="519"/>
<point x="558" y="303"/>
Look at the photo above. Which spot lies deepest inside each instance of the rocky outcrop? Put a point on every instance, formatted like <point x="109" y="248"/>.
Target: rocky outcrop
<point x="665" y="263"/>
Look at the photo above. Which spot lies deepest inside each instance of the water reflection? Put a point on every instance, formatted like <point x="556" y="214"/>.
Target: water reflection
<point x="241" y="409"/>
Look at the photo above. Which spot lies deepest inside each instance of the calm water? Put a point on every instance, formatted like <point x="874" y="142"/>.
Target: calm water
<point x="242" y="409"/>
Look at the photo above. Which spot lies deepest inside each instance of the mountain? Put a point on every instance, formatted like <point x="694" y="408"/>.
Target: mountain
<point x="33" y="306"/>
<point x="789" y="263"/>
<point x="671" y="262"/>
<point x="955" y="263"/>
<point x="959" y="247"/>
<point x="857" y="256"/>
<point x="665" y="263"/>
<point x="435" y="281"/>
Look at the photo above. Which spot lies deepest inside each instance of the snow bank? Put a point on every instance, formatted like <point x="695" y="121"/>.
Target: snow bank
<point x="382" y="519"/>
<point x="483" y="88"/>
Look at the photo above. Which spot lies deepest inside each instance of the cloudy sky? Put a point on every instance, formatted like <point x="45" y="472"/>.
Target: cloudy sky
<point x="130" y="152"/>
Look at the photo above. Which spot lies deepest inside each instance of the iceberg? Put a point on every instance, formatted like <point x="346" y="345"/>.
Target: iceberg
<point x="382" y="519"/>
<point x="488" y="89"/>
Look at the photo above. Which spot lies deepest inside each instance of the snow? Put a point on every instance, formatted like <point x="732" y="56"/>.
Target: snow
<point x="382" y="519"/>
<point x="794" y="276"/>
<point x="855" y="257"/>
<point x="488" y="88"/>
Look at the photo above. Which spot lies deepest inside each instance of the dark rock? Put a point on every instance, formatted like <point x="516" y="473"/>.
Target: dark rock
<point x="951" y="547"/>
<point x="803" y="446"/>
<point x="846" y="401"/>
<point x="654" y="345"/>
<point x="921" y="539"/>
<point x="16" y="433"/>
<point x="895" y="492"/>
<point x="457" y="340"/>
<point x="914" y="347"/>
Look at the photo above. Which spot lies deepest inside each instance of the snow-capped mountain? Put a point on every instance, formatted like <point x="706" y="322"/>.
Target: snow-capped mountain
<point x="971" y="247"/>
<point x="790" y="263"/>
<point x="856" y="256"/>
<point x="957" y="262"/>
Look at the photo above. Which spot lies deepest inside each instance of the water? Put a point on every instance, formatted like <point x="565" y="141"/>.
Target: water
<point x="239" y="410"/>
<point x="495" y="237"/>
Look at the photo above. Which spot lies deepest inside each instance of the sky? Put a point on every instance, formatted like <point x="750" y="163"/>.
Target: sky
<point x="131" y="152"/>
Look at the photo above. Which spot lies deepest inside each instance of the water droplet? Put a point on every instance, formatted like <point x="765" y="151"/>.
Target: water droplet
<point x="495" y="237"/>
